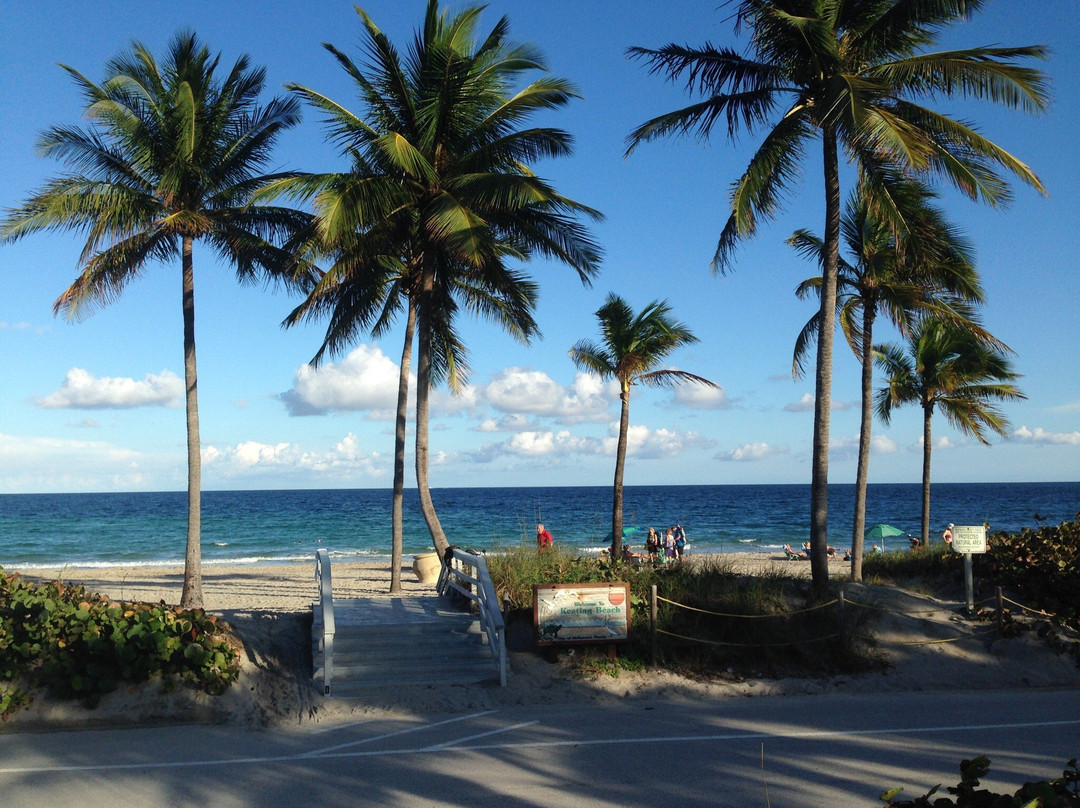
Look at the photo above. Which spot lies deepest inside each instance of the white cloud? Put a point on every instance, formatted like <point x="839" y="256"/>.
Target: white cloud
<point x="510" y="422"/>
<point x="346" y="458"/>
<point x="648" y="444"/>
<point x="366" y="379"/>
<point x="1040" y="435"/>
<point x="1070" y="407"/>
<point x="533" y="392"/>
<point x="29" y="464"/>
<point x="806" y="404"/>
<point x="752" y="451"/>
<point x="83" y="391"/>
<point x="701" y="397"/>
<point x="848" y="445"/>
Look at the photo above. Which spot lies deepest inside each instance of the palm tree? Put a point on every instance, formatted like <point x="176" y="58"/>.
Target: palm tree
<point x="850" y="73"/>
<point x="633" y="346"/>
<point x="172" y="156"/>
<point x="930" y="270"/>
<point x="441" y="184"/>
<point x="946" y="366"/>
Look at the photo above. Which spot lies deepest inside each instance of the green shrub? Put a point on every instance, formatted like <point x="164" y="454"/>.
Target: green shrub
<point x="761" y="625"/>
<point x="1042" y="566"/>
<point x="80" y="645"/>
<point x="1063" y="792"/>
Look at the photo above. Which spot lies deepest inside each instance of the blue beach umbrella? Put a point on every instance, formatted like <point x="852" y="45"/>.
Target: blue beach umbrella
<point x="627" y="532"/>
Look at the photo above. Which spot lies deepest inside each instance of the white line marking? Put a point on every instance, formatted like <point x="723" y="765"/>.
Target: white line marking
<point x="317" y="752"/>
<point x="734" y="736"/>
<point x="468" y="738"/>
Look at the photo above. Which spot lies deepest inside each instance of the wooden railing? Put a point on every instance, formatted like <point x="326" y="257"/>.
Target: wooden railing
<point x="467" y="574"/>
<point x="326" y="604"/>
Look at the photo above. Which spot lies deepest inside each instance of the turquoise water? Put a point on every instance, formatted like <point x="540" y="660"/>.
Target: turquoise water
<point x="272" y="526"/>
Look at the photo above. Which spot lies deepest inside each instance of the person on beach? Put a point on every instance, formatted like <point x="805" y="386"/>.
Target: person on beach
<point x="947" y="535"/>
<point x="669" y="546"/>
<point x="652" y="544"/>
<point x="544" y="540"/>
<point x="680" y="541"/>
<point x="795" y="554"/>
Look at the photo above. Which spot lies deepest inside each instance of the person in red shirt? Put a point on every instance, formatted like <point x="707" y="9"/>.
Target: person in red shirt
<point x="544" y="540"/>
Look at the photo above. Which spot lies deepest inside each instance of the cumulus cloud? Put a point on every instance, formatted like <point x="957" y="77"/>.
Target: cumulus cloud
<point x="652" y="444"/>
<point x="751" y="451"/>
<point x="366" y="379"/>
<point x="1040" y="435"/>
<point x="848" y="445"/>
<point x="35" y="463"/>
<point x="84" y="391"/>
<point x="533" y="392"/>
<point x="806" y="404"/>
<point x="538" y="445"/>
<point x="510" y="422"/>
<point x="701" y="397"/>
<point x="347" y="457"/>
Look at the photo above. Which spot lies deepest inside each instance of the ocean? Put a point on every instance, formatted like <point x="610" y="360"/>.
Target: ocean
<point x="264" y="527"/>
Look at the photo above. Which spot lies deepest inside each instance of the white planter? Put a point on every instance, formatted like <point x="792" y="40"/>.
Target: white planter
<point x="426" y="566"/>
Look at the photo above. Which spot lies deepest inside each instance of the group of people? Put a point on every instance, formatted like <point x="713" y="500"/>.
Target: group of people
<point x="668" y="548"/>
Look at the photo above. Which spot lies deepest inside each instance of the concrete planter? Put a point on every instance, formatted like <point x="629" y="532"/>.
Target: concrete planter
<point x="426" y="566"/>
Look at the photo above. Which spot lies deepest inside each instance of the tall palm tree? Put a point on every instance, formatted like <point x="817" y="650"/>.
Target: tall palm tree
<point x="632" y="347"/>
<point x="929" y="270"/>
<point x="946" y="366"/>
<point x="849" y="73"/>
<point x="172" y="156"/>
<point x="441" y="181"/>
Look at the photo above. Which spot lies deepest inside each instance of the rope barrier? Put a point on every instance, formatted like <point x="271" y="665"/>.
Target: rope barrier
<point x="944" y="608"/>
<point x="745" y="645"/>
<point x="1040" y="612"/>
<point x="746" y="616"/>
<point x="972" y="636"/>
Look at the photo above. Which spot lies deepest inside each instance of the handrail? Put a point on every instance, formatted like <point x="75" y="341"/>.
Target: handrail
<point x="326" y="603"/>
<point x="479" y="589"/>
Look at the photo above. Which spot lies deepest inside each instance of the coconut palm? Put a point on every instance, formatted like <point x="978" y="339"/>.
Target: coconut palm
<point x="850" y="73"/>
<point x="930" y="270"/>
<point x="171" y="156"/>
<point x="441" y="182"/>
<point x="632" y="347"/>
<point x="945" y="366"/>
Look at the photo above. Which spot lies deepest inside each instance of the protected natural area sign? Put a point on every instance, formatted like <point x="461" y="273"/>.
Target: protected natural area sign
<point x="580" y="613"/>
<point x="969" y="538"/>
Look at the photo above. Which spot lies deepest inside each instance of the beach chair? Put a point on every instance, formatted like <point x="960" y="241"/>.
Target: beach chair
<point x="792" y="555"/>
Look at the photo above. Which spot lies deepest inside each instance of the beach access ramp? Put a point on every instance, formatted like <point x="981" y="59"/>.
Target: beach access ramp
<point x="363" y="646"/>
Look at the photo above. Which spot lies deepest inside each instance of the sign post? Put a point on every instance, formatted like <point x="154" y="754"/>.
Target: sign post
<point x="968" y="539"/>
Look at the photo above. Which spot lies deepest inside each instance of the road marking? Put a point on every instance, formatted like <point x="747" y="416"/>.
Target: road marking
<point x="468" y="738"/>
<point x="733" y="736"/>
<point x="420" y="728"/>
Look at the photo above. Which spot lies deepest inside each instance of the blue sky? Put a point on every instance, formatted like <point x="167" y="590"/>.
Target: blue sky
<point x="97" y="405"/>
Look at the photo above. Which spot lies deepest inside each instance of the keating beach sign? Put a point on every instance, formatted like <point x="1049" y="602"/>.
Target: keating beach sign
<point x="581" y="613"/>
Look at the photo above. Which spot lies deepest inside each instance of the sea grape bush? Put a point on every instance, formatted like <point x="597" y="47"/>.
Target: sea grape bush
<point x="80" y="645"/>
<point x="1063" y="792"/>
<point x="1042" y="566"/>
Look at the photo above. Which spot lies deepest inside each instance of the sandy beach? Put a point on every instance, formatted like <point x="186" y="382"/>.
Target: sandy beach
<point x="921" y="638"/>
<point x="229" y="588"/>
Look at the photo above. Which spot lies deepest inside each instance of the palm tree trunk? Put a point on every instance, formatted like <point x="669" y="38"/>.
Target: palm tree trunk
<point x="397" y="518"/>
<point x="620" y="465"/>
<point x="858" y="524"/>
<point x="423" y="388"/>
<point x="191" y="597"/>
<point x="928" y="411"/>
<point x="819" y="482"/>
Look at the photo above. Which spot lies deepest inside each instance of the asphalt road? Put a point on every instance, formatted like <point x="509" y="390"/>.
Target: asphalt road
<point x="784" y="752"/>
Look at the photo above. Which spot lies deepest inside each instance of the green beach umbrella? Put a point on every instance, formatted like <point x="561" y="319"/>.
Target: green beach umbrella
<point x="882" y="531"/>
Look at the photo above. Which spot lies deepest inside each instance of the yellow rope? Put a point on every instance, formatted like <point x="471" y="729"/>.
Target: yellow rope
<point x="742" y="644"/>
<point x="920" y="642"/>
<point x="747" y="616"/>
<point x="945" y="608"/>
<point x="1040" y="612"/>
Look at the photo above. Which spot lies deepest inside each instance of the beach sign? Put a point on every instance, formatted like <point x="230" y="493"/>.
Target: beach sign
<point x="969" y="538"/>
<point x="581" y="613"/>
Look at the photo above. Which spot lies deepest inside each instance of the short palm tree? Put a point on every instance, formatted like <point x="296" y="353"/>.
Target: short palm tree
<point x="930" y="270"/>
<point x="439" y="198"/>
<point x="632" y="347"/>
<point x="172" y="157"/>
<point x="850" y="73"/>
<point x="945" y="366"/>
